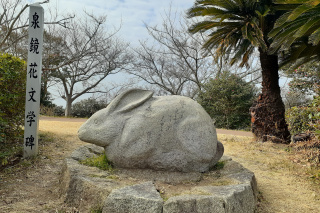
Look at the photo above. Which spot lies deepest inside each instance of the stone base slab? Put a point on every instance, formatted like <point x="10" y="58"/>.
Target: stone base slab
<point x="232" y="189"/>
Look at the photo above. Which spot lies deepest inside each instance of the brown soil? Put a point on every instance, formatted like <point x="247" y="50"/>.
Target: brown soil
<point x="283" y="185"/>
<point x="33" y="185"/>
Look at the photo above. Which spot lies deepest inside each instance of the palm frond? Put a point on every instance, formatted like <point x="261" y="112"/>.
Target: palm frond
<point x="285" y="37"/>
<point x="300" y="53"/>
<point x="314" y="38"/>
<point x="291" y="1"/>
<point x="282" y="20"/>
<point x="301" y="9"/>
<point x="204" y="11"/>
<point x="203" y="26"/>
<point x="305" y="27"/>
<point x="302" y="21"/>
<point x="233" y="27"/>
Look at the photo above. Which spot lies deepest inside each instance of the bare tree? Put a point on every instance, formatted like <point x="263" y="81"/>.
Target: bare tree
<point x="173" y="61"/>
<point x="10" y="22"/>
<point x="92" y="55"/>
<point x="13" y="36"/>
<point x="13" y="24"/>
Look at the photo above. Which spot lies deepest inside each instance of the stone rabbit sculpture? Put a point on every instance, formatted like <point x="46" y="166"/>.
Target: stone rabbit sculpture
<point x="172" y="133"/>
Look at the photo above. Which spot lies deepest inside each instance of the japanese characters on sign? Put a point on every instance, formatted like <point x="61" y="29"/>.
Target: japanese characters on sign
<point x="33" y="70"/>
<point x="35" y="42"/>
<point x="34" y="45"/>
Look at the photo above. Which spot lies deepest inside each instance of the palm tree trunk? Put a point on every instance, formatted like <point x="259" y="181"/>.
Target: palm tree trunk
<point x="268" y="112"/>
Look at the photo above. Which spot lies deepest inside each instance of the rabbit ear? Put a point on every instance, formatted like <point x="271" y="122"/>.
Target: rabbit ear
<point x="130" y="100"/>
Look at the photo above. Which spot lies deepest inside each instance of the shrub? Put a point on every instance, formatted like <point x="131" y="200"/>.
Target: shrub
<point x="87" y="107"/>
<point x="52" y="110"/>
<point x="12" y="97"/>
<point x="227" y="100"/>
<point x="58" y="111"/>
<point x="12" y="101"/>
<point x="305" y="118"/>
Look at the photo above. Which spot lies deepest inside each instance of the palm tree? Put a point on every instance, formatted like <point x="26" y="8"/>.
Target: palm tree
<point x="297" y="32"/>
<point x="236" y="28"/>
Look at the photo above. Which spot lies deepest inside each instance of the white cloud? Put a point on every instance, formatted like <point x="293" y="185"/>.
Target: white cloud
<point x="132" y="14"/>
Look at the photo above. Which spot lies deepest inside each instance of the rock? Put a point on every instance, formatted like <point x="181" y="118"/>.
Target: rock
<point x="232" y="189"/>
<point x="219" y="199"/>
<point x="81" y="190"/>
<point x="85" y="186"/>
<point x="86" y="151"/>
<point x="301" y="137"/>
<point x="172" y="133"/>
<point x="140" y="198"/>
<point x="235" y="198"/>
<point x="194" y="204"/>
<point x="240" y="197"/>
<point x="170" y="177"/>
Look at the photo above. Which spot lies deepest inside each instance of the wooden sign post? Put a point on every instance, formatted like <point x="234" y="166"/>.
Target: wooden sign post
<point x="35" y="42"/>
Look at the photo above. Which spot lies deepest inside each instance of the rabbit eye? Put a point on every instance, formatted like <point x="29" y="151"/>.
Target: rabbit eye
<point x="95" y="121"/>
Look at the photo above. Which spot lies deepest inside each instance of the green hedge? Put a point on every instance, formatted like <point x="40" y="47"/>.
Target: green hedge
<point x="12" y="97"/>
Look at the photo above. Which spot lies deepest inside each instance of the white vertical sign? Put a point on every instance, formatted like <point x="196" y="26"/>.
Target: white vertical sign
<point x="33" y="88"/>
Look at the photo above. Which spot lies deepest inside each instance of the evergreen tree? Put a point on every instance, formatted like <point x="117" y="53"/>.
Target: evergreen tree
<point x="227" y="100"/>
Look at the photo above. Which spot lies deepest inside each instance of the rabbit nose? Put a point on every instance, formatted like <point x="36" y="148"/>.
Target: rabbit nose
<point x="82" y="134"/>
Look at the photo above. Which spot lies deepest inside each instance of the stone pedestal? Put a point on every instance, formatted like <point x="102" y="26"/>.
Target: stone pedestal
<point x="231" y="189"/>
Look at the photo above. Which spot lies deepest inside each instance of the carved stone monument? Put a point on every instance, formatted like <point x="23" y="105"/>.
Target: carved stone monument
<point x="33" y="87"/>
<point x="171" y="133"/>
<point x="162" y="149"/>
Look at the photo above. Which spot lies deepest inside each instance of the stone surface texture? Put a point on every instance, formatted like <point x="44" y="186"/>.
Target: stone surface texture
<point x="232" y="189"/>
<point x="140" y="198"/>
<point x="84" y="186"/>
<point x="194" y="203"/>
<point x="172" y="133"/>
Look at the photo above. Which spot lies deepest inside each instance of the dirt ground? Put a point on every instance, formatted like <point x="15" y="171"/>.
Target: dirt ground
<point x="282" y="184"/>
<point x="33" y="185"/>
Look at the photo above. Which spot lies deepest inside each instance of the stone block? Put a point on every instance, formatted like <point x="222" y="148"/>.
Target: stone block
<point x="140" y="198"/>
